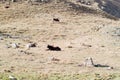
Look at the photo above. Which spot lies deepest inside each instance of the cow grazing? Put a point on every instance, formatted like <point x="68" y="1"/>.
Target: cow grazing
<point x="52" y="48"/>
<point x="56" y="19"/>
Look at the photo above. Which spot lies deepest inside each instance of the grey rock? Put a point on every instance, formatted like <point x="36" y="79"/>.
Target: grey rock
<point x="29" y="45"/>
<point x="14" y="45"/>
<point x="54" y="59"/>
<point x="1" y="38"/>
<point x="89" y="62"/>
<point x="109" y="68"/>
<point x="12" y="78"/>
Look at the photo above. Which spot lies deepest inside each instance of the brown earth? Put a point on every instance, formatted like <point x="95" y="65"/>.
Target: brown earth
<point x="79" y="35"/>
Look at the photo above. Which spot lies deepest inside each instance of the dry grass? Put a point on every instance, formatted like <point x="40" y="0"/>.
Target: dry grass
<point x="63" y="76"/>
<point x="35" y="24"/>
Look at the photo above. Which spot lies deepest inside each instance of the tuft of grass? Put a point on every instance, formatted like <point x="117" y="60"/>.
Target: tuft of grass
<point x="95" y="76"/>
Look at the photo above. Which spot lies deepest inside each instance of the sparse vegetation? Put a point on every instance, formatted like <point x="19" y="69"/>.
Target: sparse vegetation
<point x="55" y="41"/>
<point x="63" y="77"/>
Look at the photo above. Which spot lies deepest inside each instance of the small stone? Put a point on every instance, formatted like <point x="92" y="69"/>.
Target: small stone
<point x="102" y="7"/>
<point x="14" y="45"/>
<point x="70" y="47"/>
<point x="33" y="45"/>
<point x="109" y="68"/>
<point x="7" y="46"/>
<point x="102" y="46"/>
<point x="7" y="70"/>
<point x="7" y="6"/>
<point x="12" y="78"/>
<point x="28" y="53"/>
<point x="1" y="38"/>
<point x="20" y="51"/>
<point x="87" y="45"/>
<point x="53" y="59"/>
<point x="80" y="65"/>
<point x="29" y="45"/>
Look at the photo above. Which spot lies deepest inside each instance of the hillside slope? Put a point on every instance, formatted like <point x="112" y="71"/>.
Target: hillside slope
<point x="80" y="34"/>
<point x="110" y="6"/>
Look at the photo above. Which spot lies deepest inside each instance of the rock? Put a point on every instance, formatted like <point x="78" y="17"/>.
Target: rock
<point x="20" y="51"/>
<point x="7" y="6"/>
<point x="12" y="78"/>
<point x="89" y="62"/>
<point x="55" y="59"/>
<point x="102" y="7"/>
<point x="109" y="68"/>
<point x="29" y="45"/>
<point x="7" y="70"/>
<point x="87" y="45"/>
<point x="1" y="38"/>
<point x="70" y="47"/>
<point x="14" y="0"/>
<point x="14" y="45"/>
<point x="80" y="65"/>
<point x="102" y="46"/>
<point x="7" y="46"/>
<point x="52" y="60"/>
<point x="28" y="53"/>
